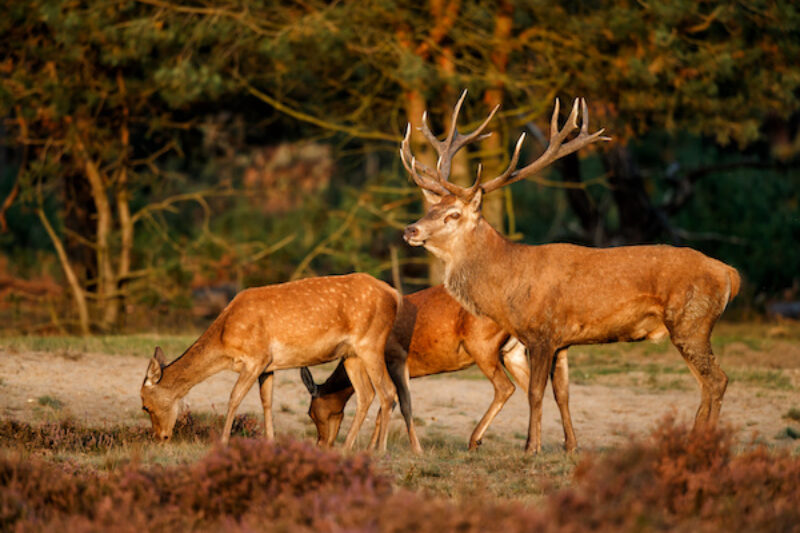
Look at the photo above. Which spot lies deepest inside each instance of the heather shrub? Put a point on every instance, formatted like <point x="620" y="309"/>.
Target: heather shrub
<point x="69" y="436"/>
<point x="673" y="480"/>
<point x="272" y="481"/>
<point x="680" y="480"/>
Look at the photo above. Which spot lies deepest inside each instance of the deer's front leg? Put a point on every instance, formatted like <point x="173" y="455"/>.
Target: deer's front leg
<point x="364" y="395"/>
<point x="541" y="359"/>
<point x="266" y="381"/>
<point x="560" y="381"/>
<point x="247" y="378"/>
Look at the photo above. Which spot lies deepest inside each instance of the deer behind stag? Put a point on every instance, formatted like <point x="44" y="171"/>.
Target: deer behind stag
<point x="289" y="325"/>
<point x="438" y="335"/>
<point x="554" y="296"/>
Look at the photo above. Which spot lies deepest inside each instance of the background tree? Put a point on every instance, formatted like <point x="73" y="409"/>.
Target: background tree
<point x="130" y="128"/>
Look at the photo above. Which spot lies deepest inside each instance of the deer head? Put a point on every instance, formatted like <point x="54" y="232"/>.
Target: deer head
<point x="157" y="401"/>
<point x="456" y="211"/>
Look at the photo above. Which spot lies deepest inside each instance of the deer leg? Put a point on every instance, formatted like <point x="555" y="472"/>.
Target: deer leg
<point x="398" y="371"/>
<point x="373" y="440"/>
<point x="364" y="394"/>
<point x="375" y="364"/>
<point x="541" y="360"/>
<point x="334" y="422"/>
<point x="515" y="359"/>
<point x="489" y="364"/>
<point x="559" y="378"/>
<point x="247" y="378"/>
<point x="712" y="379"/>
<point x="266" y="381"/>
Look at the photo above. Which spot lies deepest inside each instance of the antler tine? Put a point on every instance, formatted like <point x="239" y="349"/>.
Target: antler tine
<point x="455" y="140"/>
<point x="555" y="148"/>
<point x="430" y="181"/>
<point x="446" y="150"/>
<point x="499" y="181"/>
<point x="454" y="124"/>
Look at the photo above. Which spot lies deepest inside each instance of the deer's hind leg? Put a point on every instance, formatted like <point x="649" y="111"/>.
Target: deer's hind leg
<point x="374" y="362"/>
<point x="691" y="334"/>
<point x="266" y="380"/>
<point x="488" y="360"/>
<point x="364" y="395"/>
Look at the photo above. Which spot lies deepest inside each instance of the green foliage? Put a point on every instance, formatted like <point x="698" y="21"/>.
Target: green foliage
<point x="180" y="96"/>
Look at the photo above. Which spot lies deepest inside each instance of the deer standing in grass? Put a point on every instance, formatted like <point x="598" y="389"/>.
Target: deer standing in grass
<point x="289" y="325"/>
<point x="438" y="336"/>
<point x="553" y="296"/>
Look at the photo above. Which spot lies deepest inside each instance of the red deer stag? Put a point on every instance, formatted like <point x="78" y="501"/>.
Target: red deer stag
<point x="289" y="325"/>
<point x="438" y="336"/>
<point x="553" y="296"/>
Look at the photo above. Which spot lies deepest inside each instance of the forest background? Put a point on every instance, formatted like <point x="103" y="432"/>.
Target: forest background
<point x="159" y="156"/>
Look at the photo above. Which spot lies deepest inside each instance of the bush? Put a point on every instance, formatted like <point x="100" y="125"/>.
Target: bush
<point x="679" y="480"/>
<point x="69" y="436"/>
<point x="674" y="480"/>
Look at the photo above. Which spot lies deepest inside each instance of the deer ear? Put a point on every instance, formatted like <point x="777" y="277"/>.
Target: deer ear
<point x="431" y="198"/>
<point x="159" y="356"/>
<point x="308" y="381"/>
<point x="154" y="368"/>
<point x="476" y="199"/>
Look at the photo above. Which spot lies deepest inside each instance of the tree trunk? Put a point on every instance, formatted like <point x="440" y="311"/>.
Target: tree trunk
<point x="581" y="203"/>
<point x="106" y="280"/>
<point x="69" y="272"/>
<point x="494" y="147"/>
<point x="126" y="239"/>
<point x="639" y="220"/>
<point x="415" y="106"/>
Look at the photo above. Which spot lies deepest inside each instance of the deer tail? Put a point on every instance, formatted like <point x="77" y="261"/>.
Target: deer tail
<point x="735" y="281"/>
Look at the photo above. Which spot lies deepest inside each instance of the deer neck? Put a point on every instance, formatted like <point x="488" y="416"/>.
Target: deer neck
<point x="199" y="362"/>
<point x="475" y="269"/>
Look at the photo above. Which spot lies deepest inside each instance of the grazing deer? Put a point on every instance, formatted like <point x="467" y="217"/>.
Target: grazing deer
<point x="438" y="336"/>
<point x="553" y="296"/>
<point x="289" y="325"/>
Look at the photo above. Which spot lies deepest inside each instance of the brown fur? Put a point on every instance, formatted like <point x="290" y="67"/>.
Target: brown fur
<point x="441" y="336"/>
<point x="289" y="325"/>
<point x="557" y="295"/>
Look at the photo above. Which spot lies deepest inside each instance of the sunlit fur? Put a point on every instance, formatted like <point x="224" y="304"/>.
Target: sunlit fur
<point x="557" y="295"/>
<point x="289" y="325"/>
<point x="441" y="336"/>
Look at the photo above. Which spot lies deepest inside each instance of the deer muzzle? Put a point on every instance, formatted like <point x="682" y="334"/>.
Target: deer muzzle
<point x="412" y="235"/>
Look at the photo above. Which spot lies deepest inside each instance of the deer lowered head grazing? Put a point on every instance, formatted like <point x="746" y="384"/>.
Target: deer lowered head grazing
<point x="290" y="325"/>
<point x="556" y="295"/>
<point x="438" y="335"/>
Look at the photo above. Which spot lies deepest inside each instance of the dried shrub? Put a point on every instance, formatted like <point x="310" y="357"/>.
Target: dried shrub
<point x="685" y="481"/>
<point x="674" y="480"/>
<point x="69" y="436"/>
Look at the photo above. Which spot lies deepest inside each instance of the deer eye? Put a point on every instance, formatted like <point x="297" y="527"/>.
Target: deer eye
<point x="452" y="216"/>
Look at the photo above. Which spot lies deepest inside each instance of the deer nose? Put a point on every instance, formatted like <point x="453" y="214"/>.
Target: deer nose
<point x="410" y="232"/>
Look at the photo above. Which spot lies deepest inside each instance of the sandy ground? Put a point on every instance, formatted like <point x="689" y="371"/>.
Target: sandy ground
<point x="100" y="389"/>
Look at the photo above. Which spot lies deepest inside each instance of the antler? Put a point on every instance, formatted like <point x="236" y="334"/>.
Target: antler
<point x="437" y="180"/>
<point x="555" y="148"/>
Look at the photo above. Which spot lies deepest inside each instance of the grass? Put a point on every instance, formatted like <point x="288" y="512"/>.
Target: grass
<point x="770" y="379"/>
<point x="793" y="414"/>
<point x="49" y="401"/>
<point x="74" y="347"/>
<point x="498" y="468"/>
